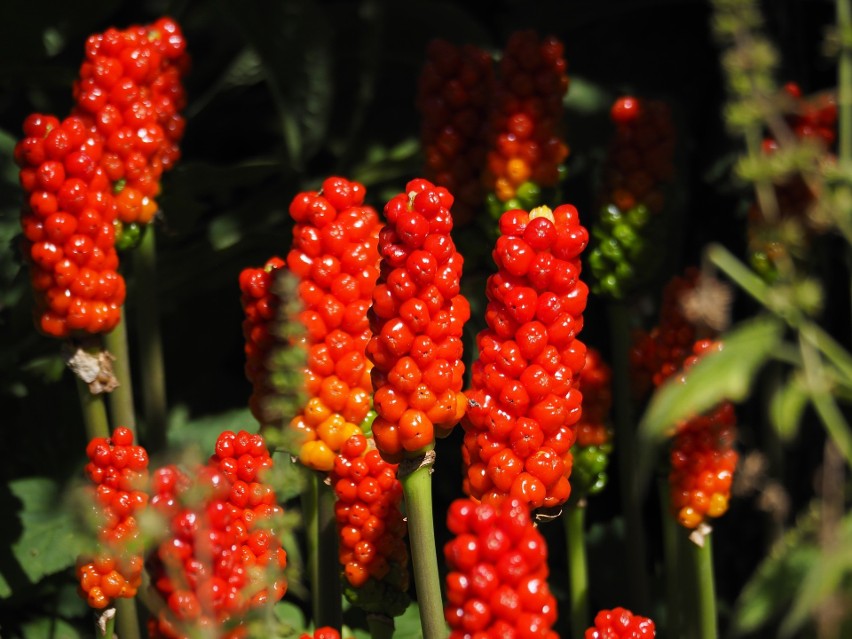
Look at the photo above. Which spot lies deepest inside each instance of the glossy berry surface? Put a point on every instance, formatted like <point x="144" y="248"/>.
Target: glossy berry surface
<point x="417" y="318"/>
<point x="334" y="256"/>
<point x="496" y="583"/>
<point x="371" y="528"/>
<point x="68" y="234"/>
<point x="118" y="471"/>
<point x="620" y="623"/>
<point x="523" y="401"/>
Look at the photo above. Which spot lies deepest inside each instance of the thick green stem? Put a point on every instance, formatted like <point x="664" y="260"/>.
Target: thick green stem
<point x="152" y="370"/>
<point x="672" y="565"/>
<point x="625" y="445"/>
<point x="126" y="619"/>
<point x="701" y="607"/>
<point x="380" y="626"/>
<point x="417" y="488"/>
<point x="121" y="398"/>
<point x="105" y="623"/>
<point x="573" y="518"/>
<point x="94" y="412"/>
<point x="323" y="563"/>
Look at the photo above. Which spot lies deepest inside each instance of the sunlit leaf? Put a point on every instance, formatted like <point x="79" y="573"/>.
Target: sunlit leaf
<point x="48" y="541"/>
<point x="786" y="406"/>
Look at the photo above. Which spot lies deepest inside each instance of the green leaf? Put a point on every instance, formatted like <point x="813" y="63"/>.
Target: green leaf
<point x="786" y="406"/>
<point x="774" y="584"/>
<point x="50" y="628"/>
<point x="202" y="432"/>
<point x="48" y="541"/>
<point x="408" y="624"/>
<point x="726" y="374"/>
<point x="290" y="614"/>
<point x="293" y="41"/>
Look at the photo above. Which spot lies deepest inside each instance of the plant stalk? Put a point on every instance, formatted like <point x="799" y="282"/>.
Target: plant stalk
<point x="625" y="445"/>
<point x="323" y="564"/>
<point x="126" y="619"/>
<point x="121" y="398"/>
<point x="152" y="369"/>
<point x="94" y="412"/>
<point x="672" y="565"/>
<point x="701" y="608"/>
<point x="380" y="626"/>
<point x="573" y="518"/>
<point x="417" y="489"/>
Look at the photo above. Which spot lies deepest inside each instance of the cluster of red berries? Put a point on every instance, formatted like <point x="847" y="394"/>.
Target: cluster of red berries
<point x="130" y="92"/>
<point x="326" y="632"/>
<point x="524" y="402"/>
<point x="638" y="168"/>
<point x="221" y="557"/>
<point x="659" y="353"/>
<point x="620" y="623"/>
<point x="497" y="579"/>
<point x="812" y="119"/>
<point x="454" y="97"/>
<point x="260" y="304"/>
<point x="371" y="528"/>
<point x="119" y="471"/>
<point x="417" y="317"/>
<point x="703" y="458"/>
<point x="68" y="239"/>
<point x="527" y="147"/>
<point x="594" y="436"/>
<point x="335" y="258"/>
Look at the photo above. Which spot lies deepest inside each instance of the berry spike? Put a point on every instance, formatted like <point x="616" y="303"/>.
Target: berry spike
<point x="593" y="446"/>
<point x="454" y="94"/>
<point x="68" y="234"/>
<point x="371" y="529"/>
<point x="118" y="469"/>
<point x="497" y="572"/>
<point x="524" y="401"/>
<point x="638" y="169"/>
<point x="526" y="144"/>
<point x="335" y="260"/>
<point x="417" y="317"/>
<point x="130" y="93"/>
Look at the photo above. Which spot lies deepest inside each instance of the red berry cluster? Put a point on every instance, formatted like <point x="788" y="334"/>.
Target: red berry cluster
<point x="326" y="632"/>
<point x="119" y="471"/>
<point x="596" y="387"/>
<point x="260" y="305"/>
<point x="526" y="140"/>
<point x="811" y="119"/>
<point x="620" y="623"/>
<point x="703" y="458"/>
<point x="661" y="352"/>
<point x="371" y="527"/>
<point x="67" y="220"/>
<point x="417" y="317"/>
<point x="640" y="158"/>
<point x="335" y="258"/>
<point x="130" y="92"/>
<point x="524" y="403"/>
<point x="497" y="579"/>
<point x="455" y="92"/>
<point x="222" y="556"/>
